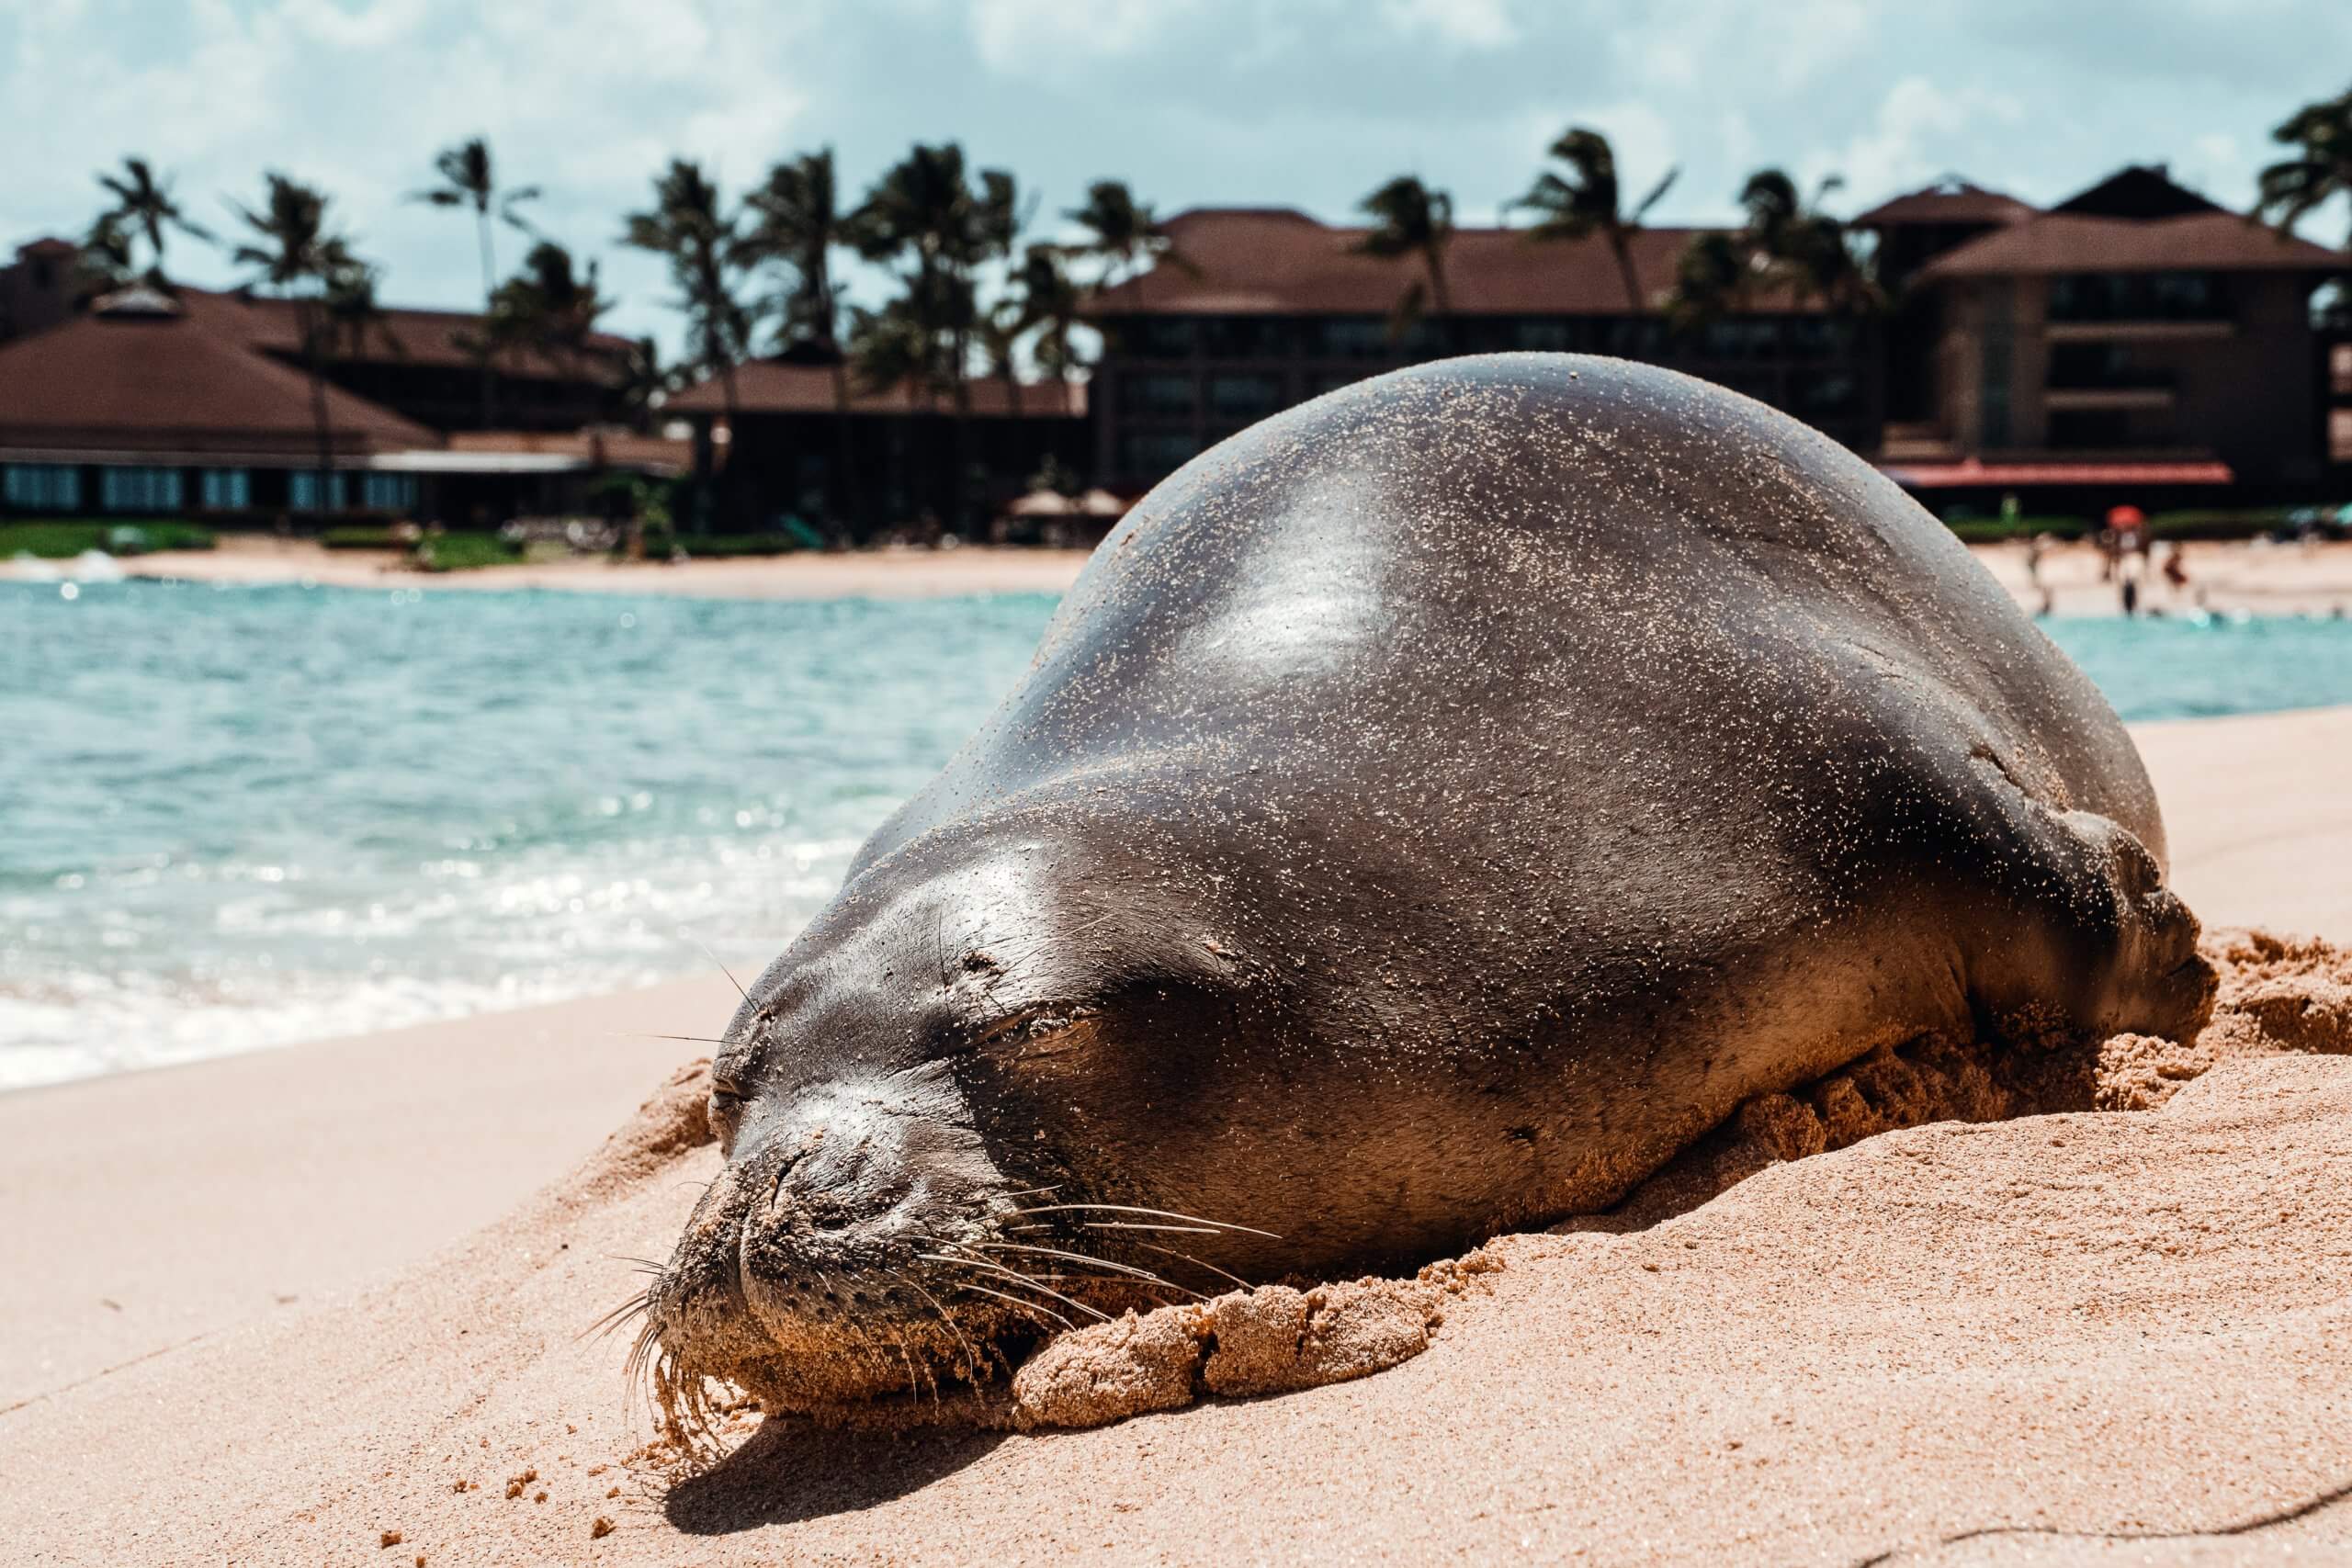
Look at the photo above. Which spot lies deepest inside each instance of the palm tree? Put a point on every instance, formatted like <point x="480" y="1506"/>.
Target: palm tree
<point x="796" y="224"/>
<point x="691" y="227"/>
<point x="1711" y="279"/>
<point x="106" y="262"/>
<point x="295" y="250"/>
<point x="2319" y="170"/>
<point x="1124" y="235"/>
<point x="469" y="179"/>
<point x="645" y="383"/>
<point x="1796" y="241"/>
<point x="1585" y="201"/>
<point x="1047" y="300"/>
<point x="925" y="213"/>
<point x="548" y="308"/>
<point x="144" y="206"/>
<point x="1000" y="329"/>
<point x="1411" y="220"/>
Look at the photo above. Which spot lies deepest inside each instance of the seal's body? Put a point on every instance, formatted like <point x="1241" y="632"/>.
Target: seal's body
<point x="1432" y="809"/>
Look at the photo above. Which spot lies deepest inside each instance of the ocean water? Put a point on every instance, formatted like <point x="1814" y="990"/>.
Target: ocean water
<point x="234" y="816"/>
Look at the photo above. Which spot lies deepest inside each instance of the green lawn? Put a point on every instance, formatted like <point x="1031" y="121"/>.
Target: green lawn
<point x="68" y="537"/>
<point x="1986" y="530"/>
<point x="463" y="552"/>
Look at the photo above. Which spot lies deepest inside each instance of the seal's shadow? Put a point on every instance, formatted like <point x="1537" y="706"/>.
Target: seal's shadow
<point x="787" y="1472"/>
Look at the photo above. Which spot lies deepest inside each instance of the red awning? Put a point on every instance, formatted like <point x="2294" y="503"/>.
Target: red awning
<point x="1970" y="473"/>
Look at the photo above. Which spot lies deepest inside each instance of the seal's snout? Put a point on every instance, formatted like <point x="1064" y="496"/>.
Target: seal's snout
<point x="803" y="1273"/>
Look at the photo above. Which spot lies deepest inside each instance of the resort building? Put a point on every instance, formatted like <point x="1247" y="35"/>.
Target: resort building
<point x="188" y="403"/>
<point x="1257" y="308"/>
<point x="793" y="449"/>
<point x="425" y="365"/>
<point x="2135" y="340"/>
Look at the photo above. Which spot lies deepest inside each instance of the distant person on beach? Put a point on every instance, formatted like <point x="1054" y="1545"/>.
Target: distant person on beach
<point x="2175" y="570"/>
<point x="2129" y="570"/>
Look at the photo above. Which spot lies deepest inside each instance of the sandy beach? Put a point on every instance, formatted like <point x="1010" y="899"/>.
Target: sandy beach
<point x="277" y="1308"/>
<point x="2259" y="579"/>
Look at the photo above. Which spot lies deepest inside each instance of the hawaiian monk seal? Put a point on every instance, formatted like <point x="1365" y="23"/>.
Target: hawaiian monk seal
<point x="1432" y="808"/>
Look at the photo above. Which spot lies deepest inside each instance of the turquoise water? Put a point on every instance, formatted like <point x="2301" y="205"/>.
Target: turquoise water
<point x="232" y="817"/>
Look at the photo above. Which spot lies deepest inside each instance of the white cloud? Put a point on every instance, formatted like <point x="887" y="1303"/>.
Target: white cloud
<point x="1455" y="24"/>
<point x="586" y="97"/>
<point x="1036" y="37"/>
<point x="1921" y="131"/>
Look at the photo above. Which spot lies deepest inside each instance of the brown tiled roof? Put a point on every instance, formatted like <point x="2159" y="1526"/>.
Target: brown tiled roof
<point x="1947" y="201"/>
<point x="174" y="383"/>
<point x="1275" y="261"/>
<point x="772" y="386"/>
<point x="425" y="337"/>
<point x="49" y="245"/>
<point x="2064" y="242"/>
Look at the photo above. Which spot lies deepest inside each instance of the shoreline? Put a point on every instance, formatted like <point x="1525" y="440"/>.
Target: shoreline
<point x="2225" y="576"/>
<point x="890" y="574"/>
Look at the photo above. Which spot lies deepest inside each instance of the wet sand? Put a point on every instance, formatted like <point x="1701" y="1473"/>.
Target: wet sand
<point x="2083" y="1337"/>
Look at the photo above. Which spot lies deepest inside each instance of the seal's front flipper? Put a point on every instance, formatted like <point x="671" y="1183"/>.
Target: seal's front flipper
<point x="2103" y="947"/>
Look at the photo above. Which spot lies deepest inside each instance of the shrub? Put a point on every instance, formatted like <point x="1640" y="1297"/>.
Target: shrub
<point x="1988" y="530"/>
<point x="65" y="538"/>
<point x="464" y="552"/>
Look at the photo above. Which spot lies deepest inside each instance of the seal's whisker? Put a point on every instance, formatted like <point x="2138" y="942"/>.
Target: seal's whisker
<point x="1146" y="1225"/>
<point x="1128" y="1270"/>
<point x="1016" y="1276"/>
<point x="1015" y="1301"/>
<point x="1197" y="1263"/>
<point x="618" y="1315"/>
<point x="689" y="1038"/>
<point x="722" y="968"/>
<point x="971" y="1359"/>
<point x="1131" y="1208"/>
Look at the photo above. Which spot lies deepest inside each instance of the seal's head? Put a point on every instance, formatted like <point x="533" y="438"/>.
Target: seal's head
<point x="941" y="1112"/>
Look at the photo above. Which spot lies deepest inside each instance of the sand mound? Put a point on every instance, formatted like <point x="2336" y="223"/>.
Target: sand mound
<point x="2061" y="1336"/>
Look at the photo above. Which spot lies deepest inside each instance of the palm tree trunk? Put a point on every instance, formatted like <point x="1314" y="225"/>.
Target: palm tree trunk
<point x="1443" y="313"/>
<point x="728" y="484"/>
<point x="851" y="488"/>
<point x="305" y="322"/>
<point x="488" y="289"/>
<point x="1624" y="251"/>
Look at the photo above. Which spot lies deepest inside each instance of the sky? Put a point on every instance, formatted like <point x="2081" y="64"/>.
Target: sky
<point x="1302" y="102"/>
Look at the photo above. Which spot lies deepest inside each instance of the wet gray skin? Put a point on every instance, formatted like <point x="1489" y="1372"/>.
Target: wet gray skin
<point x="1433" y="809"/>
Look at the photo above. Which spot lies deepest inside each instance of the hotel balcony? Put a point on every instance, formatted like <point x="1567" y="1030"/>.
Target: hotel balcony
<point x="2144" y="331"/>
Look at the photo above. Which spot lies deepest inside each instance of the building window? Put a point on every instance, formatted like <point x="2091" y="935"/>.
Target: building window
<point x="226" y="490"/>
<point x="1353" y="337"/>
<point x="1157" y="395"/>
<point x="41" y="487"/>
<point x="1155" y="451"/>
<point x="1634" y="337"/>
<point x="302" y="491"/>
<point x="139" y="489"/>
<point x="385" y="492"/>
<point x="1538" y="335"/>
<point x="1158" y="337"/>
<point x="1993" y="367"/>
<point x="2138" y="296"/>
<point x="1244" y="397"/>
<point x="1245" y="337"/>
